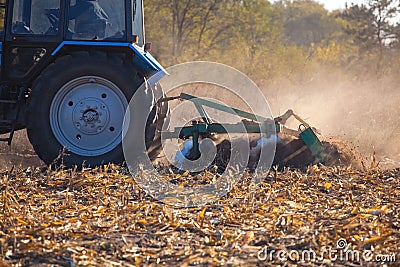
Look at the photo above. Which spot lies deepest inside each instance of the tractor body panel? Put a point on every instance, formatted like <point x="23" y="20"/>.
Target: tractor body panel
<point x="145" y="63"/>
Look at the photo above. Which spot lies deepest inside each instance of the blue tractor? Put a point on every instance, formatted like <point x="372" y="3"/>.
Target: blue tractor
<point x="68" y="71"/>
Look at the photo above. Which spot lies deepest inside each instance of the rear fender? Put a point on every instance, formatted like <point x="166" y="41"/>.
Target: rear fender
<point x="143" y="61"/>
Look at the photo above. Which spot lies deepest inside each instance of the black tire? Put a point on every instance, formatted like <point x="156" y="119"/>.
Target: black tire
<point x="96" y="87"/>
<point x="161" y="123"/>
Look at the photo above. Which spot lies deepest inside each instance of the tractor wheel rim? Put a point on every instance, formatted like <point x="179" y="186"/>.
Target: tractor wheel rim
<point x="86" y="116"/>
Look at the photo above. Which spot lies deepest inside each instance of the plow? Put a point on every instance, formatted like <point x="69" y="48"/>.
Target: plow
<point x="294" y="147"/>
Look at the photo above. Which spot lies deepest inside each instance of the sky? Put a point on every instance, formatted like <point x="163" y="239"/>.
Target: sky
<point x="339" y="4"/>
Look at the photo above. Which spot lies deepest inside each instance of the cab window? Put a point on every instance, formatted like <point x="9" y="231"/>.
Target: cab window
<point x="137" y="24"/>
<point x="35" y="17"/>
<point x="2" y="17"/>
<point x="96" y="19"/>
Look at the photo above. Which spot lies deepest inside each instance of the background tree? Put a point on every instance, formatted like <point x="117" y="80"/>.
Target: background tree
<point x="286" y="40"/>
<point x="306" y="22"/>
<point x="373" y="30"/>
<point x="188" y="29"/>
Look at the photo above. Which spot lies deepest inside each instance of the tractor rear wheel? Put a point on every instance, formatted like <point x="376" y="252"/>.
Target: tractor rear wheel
<point x="77" y="106"/>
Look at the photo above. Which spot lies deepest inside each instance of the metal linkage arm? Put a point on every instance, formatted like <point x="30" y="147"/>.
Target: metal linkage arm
<point x="227" y="109"/>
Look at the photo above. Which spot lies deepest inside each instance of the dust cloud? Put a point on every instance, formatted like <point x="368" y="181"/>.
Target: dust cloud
<point x="364" y="113"/>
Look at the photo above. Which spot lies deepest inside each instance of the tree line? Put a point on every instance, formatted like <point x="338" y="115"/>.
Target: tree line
<point x="279" y="40"/>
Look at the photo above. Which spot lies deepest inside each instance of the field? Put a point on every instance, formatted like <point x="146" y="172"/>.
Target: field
<point x="336" y="69"/>
<point x="100" y="217"/>
<point x="317" y="216"/>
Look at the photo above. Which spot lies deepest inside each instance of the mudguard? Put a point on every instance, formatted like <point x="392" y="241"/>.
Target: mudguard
<point x="143" y="61"/>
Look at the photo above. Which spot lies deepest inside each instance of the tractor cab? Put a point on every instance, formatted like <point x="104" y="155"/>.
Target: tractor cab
<point x="34" y="28"/>
<point x="78" y="19"/>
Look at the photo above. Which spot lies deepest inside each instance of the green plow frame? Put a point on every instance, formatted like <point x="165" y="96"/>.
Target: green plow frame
<point x="256" y="124"/>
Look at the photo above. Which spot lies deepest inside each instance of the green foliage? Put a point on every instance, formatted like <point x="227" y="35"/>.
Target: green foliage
<point x="373" y="31"/>
<point x="189" y="29"/>
<point x="284" y="40"/>
<point x="306" y="22"/>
